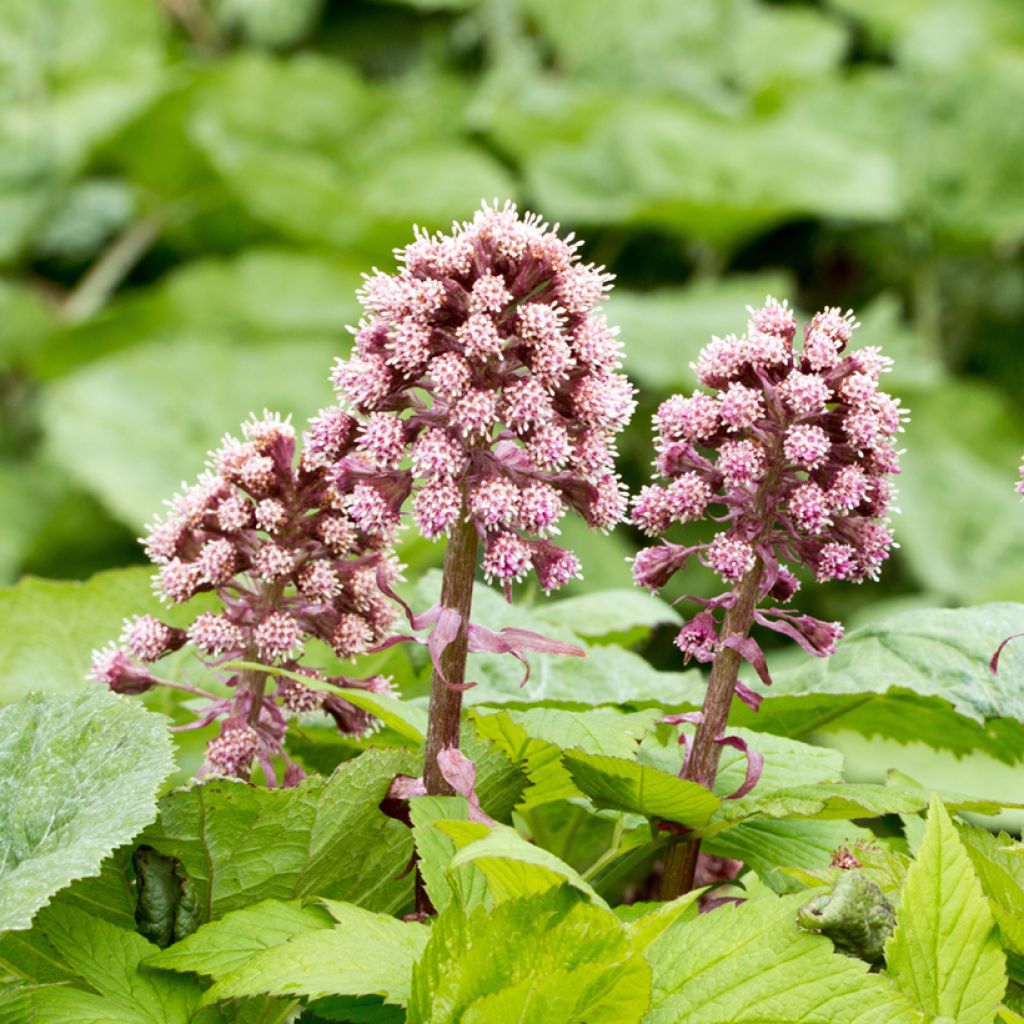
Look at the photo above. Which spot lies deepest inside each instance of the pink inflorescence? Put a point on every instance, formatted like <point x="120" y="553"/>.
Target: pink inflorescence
<point x="486" y="361"/>
<point x="790" y="450"/>
<point x="292" y="554"/>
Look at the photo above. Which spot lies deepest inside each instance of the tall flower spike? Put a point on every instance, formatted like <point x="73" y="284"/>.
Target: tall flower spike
<point x="508" y="412"/>
<point x="790" y="450"/>
<point x="271" y="539"/>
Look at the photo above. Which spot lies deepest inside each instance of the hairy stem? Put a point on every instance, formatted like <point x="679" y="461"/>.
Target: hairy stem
<point x="446" y="703"/>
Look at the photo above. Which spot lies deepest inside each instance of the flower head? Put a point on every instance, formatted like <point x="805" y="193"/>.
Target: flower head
<point x="792" y="448"/>
<point x="276" y="539"/>
<point x="485" y="359"/>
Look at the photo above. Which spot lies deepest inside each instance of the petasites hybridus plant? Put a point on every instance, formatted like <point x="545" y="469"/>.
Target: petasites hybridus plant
<point x="789" y="450"/>
<point x="487" y="386"/>
<point x="273" y="541"/>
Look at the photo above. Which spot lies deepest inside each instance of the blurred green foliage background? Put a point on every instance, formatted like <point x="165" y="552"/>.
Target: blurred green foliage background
<point x="190" y="189"/>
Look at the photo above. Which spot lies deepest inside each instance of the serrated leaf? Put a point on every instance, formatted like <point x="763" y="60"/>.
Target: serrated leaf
<point x="464" y="886"/>
<point x="751" y="964"/>
<point x="534" y="960"/>
<point x="109" y="982"/>
<point x="222" y="946"/>
<point x="227" y="836"/>
<point x="512" y="866"/>
<point x="945" y="953"/>
<point x="364" y="954"/>
<point x="1000" y="871"/>
<point x="81" y="773"/>
<point x="627" y="786"/>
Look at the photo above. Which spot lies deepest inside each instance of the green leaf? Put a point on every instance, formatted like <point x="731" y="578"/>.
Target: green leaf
<point x="1000" y="871"/>
<point x="222" y="946"/>
<point x="81" y="773"/>
<point x="178" y="397"/>
<point x="770" y="846"/>
<point x="364" y="954"/>
<point x="108" y="980"/>
<point x="512" y="866"/>
<point x="833" y="801"/>
<point x="751" y="964"/>
<point x="607" y="612"/>
<point x="917" y="675"/>
<point x="945" y="953"/>
<point x="227" y="837"/>
<point x="550" y="957"/>
<point x="51" y="626"/>
<point x="627" y="786"/>
<point x="465" y="886"/>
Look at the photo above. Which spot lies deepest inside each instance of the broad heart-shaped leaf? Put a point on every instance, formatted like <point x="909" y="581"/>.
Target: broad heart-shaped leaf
<point x="535" y="960"/>
<point x="178" y="395"/>
<point x="228" y="837"/>
<point x="945" y="953"/>
<point x="363" y="954"/>
<point x="222" y="946"/>
<point x="51" y="626"/>
<point x="102" y="964"/>
<point x="81" y="773"/>
<point x="917" y="676"/>
<point x="627" y="786"/>
<point x="752" y="965"/>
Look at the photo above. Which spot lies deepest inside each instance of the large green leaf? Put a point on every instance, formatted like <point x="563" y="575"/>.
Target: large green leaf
<point x="751" y="964"/>
<point x="179" y="397"/>
<point x="364" y="954"/>
<point x="945" y="953"/>
<point x="227" y="836"/>
<point x="52" y="626"/>
<point x="81" y="773"/>
<point x="917" y="675"/>
<point x="550" y="957"/>
<point x="603" y="612"/>
<point x="1000" y="869"/>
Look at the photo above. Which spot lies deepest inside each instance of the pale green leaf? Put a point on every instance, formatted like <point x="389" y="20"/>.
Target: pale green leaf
<point x="550" y="957"/>
<point x="466" y="886"/>
<point x="605" y="612"/>
<point x="221" y="946"/>
<point x="752" y="965"/>
<point x="364" y="954"/>
<point x="512" y="866"/>
<point x="945" y="953"/>
<point x="81" y="773"/>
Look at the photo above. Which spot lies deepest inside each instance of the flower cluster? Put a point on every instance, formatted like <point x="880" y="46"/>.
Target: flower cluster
<point x="790" y="450"/>
<point x="289" y="561"/>
<point x="486" y="381"/>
